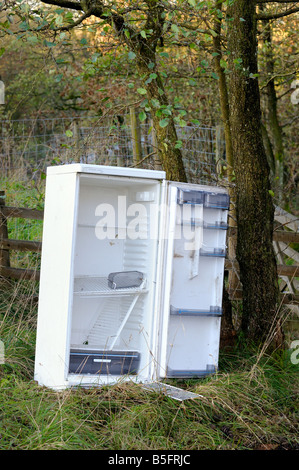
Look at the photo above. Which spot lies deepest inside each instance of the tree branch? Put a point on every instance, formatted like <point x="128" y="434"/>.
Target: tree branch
<point x="275" y="1"/>
<point x="76" y="23"/>
<point x="64" y="4"/>
<point x="270" y="16"/>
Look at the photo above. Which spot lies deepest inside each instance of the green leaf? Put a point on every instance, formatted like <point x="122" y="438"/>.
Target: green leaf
<point x="214" y="75"/>
<point x="143" y="34"/>
<point x="142" y="91"/>
<point x="178" y="144"/>
<point x="155" y="103"/>
<point x="271" y="193"/>
<point x="131" y="55"/>
<point x="164" y="122"/>
<point x="144" y="103"/>
<point x="223" y="63"/>
<point x="2" y="50"/>
<point x="174" y="28"/>
<point x="213" y="33"/>
<point x="48" y="43"/>
<point x="83" y="41"/>
<point x="142" y="116"/>
<point x="58" y="78"/>
<point x="69" y="133"/>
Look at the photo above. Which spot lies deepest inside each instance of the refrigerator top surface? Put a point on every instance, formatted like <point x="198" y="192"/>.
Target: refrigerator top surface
<point x="105" y="170"/>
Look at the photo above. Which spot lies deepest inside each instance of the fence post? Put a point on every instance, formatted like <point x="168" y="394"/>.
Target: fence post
<point x="157" y="163"/>
<point x="136" y="138"/>
<point x="4" y="254"/>
<point x="219" y="149"/>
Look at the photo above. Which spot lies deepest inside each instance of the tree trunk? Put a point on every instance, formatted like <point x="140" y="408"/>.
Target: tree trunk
<point x="271" y="111"/>
<point x="166" y="137"/>
<point x="255" y="211"/>
<point x="227" y="329"/>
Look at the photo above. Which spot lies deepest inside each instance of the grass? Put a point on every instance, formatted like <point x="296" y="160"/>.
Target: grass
<point x="248" y="404"/>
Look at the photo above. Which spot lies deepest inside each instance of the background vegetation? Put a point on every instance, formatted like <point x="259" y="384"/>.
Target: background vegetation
<point x="52" y="69"/>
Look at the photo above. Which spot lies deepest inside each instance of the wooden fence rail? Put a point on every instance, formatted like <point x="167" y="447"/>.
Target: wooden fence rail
<point x="7" y="244"/>
<point x="286" y="231"/>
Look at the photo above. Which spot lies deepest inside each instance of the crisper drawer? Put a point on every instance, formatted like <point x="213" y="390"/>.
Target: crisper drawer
<point x="104" y="362"/>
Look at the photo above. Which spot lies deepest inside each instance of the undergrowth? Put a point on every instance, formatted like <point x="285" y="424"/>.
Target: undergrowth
<point x="250" y="403"/>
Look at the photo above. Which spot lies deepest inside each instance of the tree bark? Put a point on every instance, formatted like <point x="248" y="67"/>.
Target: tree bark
<point x="166" y="137"/>
<point x="271" y="110"/>
<point x="144" y="47"/>
<point x="255" y="210"/>
<point x="227" y="328"/>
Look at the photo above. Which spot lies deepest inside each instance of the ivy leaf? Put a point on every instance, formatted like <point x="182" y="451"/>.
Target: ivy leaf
<point x="142" y="116"/>
<point x="49" y="44"/>
<point x="131" y="55"/>
<point x="155" y="103"/>
<point x="141" y="91"/>
<point x="164" y="122"/>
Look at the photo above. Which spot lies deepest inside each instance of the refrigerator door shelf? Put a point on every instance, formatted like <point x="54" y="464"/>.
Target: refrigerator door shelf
<point x="217" y="200"/>
<point x="204" y="225"/>
<point x="208" y="199"/>
<point x="186" y="196"/>
<point x="98" y="286"/>
<point x="214" y="311"/>
<point x="213" y="252"/>
<point x="216" y="226"/>
<point x="173" y="373"/>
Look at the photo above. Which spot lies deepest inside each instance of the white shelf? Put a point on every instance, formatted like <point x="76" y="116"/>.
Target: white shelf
<point x="98" y="286"/>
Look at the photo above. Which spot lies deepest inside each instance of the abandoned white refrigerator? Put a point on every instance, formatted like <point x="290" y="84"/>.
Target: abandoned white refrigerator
<point x="131" y="277"/>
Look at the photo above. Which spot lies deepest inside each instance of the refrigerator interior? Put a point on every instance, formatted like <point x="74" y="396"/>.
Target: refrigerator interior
<point x="114" y="275"/>
<point x="196" y="261"/>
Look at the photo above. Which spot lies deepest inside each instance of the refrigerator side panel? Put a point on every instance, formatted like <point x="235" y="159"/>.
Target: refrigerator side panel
<point x="51" y="360"/>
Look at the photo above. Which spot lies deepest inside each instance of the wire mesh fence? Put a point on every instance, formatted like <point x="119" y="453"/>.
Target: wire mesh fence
<point x="28" y="146"/>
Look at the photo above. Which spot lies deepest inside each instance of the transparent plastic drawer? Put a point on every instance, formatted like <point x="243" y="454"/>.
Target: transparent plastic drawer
<point x="217" y="200"/>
